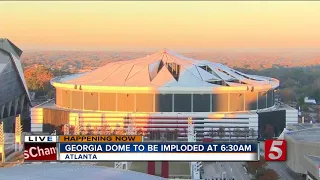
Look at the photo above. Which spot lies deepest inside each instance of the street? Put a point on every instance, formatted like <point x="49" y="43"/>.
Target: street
<point x="227" y="170"/>
<point x="283" y="171"/>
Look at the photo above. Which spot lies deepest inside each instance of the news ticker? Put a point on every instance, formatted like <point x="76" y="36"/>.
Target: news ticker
<point x="132" y="148"/>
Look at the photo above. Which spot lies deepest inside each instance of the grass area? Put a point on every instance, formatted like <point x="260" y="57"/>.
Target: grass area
<point x="175" y="168"/>
<point x="15" y="159"/>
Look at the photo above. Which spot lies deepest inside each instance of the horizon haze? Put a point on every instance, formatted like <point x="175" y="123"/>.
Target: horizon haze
<point x="152" y="26"/>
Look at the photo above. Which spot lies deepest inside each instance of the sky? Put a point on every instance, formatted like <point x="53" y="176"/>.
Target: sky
<point x="161" y="24"/>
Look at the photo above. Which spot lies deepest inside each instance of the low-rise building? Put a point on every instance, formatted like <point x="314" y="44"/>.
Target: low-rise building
<point x="303" y="151"/>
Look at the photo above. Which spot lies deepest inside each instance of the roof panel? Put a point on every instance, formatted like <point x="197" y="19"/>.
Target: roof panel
<point x="164" y="78"/>
<point x="222" y="75"/>
<point x="153" y="69"/>
<point x="187" y="78"/>
<point x="114" y="73"/>
<point x="139" y="79"/>
<point x="21" y="74"/>
<point x="134" y="70"/>
<point x="206" y="75"/>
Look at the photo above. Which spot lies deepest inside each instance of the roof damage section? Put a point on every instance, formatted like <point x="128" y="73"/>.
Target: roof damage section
<point x="168" y="69"/>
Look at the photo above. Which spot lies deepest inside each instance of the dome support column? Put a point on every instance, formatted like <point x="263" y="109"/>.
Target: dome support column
<point x="131" y="130"/>
<point x="194" y="166"/>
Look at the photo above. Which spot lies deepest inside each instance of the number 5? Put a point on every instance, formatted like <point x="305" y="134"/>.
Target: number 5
<point x="274" y="149"/>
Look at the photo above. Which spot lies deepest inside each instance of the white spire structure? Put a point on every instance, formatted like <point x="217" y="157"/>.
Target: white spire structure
<point x="194" y="166"/>
<point x="18" y="133"/>
<point x="2" y="140"/>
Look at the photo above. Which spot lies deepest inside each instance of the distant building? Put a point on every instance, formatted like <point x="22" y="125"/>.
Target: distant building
<point x="303" y="154"/>
<point x="160" y="92"/>
<point x="14" y="95"/>
<point x="309" y="101"/>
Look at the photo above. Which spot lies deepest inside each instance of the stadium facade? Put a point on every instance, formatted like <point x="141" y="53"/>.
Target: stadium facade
<point x="14" y="96"/>
<point x="157" y="92"/>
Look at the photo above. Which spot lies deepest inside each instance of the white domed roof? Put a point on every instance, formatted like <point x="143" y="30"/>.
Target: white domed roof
<point x="168" y="69"/>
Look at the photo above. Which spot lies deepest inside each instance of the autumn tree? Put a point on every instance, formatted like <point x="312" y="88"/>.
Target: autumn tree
<point x="269" y="131"/>
<point x="140" y="132"/>
<point x="269" y="174"/>
<point x="256" y="168"/>
<point x="117" y="130"/>
<point x="287" y="95"/>
<point x="38" y="78"/>
<point x="106" y="130"/>
<point x="252" y="132"/>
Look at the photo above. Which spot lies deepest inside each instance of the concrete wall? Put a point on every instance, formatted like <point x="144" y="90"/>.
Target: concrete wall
<point x="297" y="150"/>
<point x="152" y="102"/>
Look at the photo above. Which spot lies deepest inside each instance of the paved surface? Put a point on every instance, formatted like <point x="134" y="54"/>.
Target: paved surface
<point x="228" y="170"/>
<point x="283" y="171"/>
<point x="64" y="171"/>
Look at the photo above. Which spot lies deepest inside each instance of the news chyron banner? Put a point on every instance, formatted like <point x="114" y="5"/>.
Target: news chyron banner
<point x="40" y="148"/>
<point x="132" y="148"/>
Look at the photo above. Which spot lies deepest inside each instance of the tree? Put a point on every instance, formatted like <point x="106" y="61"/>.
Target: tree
<point x="269" y="174"/>
<point x="252" y="132"/>
<point x="246" y="132"/>
<point x="72" y="129"/>
<point x="38" y="78"/>
<point x="158" y="134"/>
<point x="82" y="130"/>
<point x="212" y="133"/>
<point x="88" y="129"/>
<point x="106" y="130"/>
<point x="117" y="130"/>
<point x="256" y="168"/>
<point x="176" y="134"/>
<point x="287" y="95"/>
<point x="221" y="132"/>
<point x="229" y="133"/>
<point x="96" y="130"/>
<point x="269" y="131"/>
<point x="140" y="132"/>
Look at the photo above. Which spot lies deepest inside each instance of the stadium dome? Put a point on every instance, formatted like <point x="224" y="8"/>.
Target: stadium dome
<point x="68" y="171"/>
<point x="165" y="82"/>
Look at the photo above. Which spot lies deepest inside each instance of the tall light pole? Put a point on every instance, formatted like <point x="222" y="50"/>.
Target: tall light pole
<point x="194" y="166"/>
<point x="2" y="142"/>
<point x="18" y="132"/>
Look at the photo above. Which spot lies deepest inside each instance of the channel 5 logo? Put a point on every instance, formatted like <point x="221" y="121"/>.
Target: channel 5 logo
<point x="275" y="150"/>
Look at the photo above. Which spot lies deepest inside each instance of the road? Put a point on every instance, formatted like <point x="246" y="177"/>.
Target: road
<point x="283" y="171"/>
<point x="228" y="170"/>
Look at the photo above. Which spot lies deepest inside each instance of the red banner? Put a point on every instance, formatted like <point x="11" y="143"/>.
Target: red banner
<point x="40" y="151"/>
